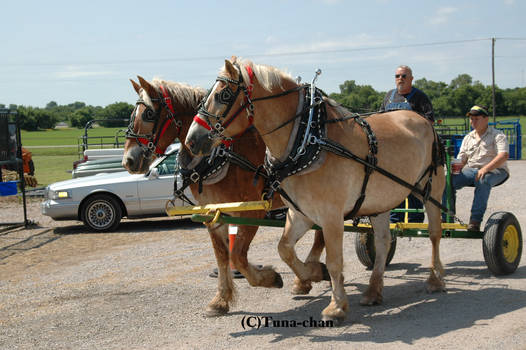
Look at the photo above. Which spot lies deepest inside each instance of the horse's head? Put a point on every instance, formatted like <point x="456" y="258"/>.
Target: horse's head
<point x="217" y="119"/>
<point x="153" y="126"/>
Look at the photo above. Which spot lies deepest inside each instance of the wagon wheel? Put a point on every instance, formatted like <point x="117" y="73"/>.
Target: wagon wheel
<point x="502" y="243"/>
<point x="364" y="245"/>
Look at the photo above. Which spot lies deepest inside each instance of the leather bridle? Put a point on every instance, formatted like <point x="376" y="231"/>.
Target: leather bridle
<point x="148" y="142"/>
<point x="228" y="98"/>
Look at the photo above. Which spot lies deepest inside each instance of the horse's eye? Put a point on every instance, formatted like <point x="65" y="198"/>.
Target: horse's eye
<point x="225" y="96"/>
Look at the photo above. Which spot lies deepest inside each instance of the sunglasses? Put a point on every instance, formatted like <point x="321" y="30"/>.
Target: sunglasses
<point x="400" y="75"/>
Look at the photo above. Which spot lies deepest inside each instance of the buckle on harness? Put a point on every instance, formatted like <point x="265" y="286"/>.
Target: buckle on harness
<point x="313" y="139"/>
<point x="275" y="185"/>
<point x="219" y="128"/>
<point x="194" y="177"/>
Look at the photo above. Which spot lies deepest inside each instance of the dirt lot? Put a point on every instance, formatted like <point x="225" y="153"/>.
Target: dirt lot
<point x="147" y="285"/>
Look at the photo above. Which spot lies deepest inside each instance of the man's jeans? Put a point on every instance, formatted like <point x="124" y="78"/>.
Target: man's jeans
<point x="482" y="189"/>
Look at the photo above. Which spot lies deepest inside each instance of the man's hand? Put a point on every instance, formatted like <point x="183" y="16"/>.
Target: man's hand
<point x="480" y="174"/>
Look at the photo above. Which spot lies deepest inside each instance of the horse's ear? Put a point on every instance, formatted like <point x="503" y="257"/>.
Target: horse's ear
<point x="136" y="86"/>
<point x="229" y="67"/>
<point x="150" y="90"/>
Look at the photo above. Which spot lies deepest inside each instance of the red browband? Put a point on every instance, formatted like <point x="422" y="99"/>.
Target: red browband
<point x="168" y="102"/>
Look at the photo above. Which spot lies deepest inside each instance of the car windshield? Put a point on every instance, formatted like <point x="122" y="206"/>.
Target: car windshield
<point x="171" y="152"/>
<point x="168" y="165"/>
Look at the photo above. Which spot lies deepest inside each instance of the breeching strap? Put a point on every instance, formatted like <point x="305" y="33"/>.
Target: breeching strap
<point x="336" y="148"/>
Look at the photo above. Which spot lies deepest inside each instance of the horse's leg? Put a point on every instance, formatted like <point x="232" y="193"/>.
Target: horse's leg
<point x="264" y="277"/>
<point x="382" y="243"/>
<point x="225" y="286"/>
<point x="295" y="227"/>
<point x="435" y="282"/>
<point x="333" y="235"/>
<point x="303" y="287"/>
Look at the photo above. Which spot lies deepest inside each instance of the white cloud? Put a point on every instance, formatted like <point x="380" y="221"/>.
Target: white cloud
<point x="442" y="15"/>
<point x="77" y="72"/>
<point x="509" y="2"/>
<point x="359" y="41"/>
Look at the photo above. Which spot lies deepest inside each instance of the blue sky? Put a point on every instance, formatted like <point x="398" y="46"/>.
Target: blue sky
<point x="68" y="51"/>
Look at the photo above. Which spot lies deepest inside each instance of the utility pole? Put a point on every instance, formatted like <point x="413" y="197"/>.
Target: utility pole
<point x="493" y="77"/>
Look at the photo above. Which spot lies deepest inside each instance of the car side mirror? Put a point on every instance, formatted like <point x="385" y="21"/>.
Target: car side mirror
<point x="153" y="174"/>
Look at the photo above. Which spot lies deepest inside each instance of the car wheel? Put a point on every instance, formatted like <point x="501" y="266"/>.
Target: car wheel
<point x="101" y="212"/>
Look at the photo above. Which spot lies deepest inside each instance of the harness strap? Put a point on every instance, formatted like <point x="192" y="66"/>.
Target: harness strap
<point x="371" y="159"/>
<point x="339" y="150"/>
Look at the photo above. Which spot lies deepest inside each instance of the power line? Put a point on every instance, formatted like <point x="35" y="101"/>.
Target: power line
<point x="277" y="54"/>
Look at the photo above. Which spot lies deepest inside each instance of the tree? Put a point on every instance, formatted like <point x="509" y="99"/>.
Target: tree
<point x="461" y="80"/>
<point x="359" y="98"/>
<point x="80" y="117"/>
<point x="51" y="105"/>
<point x="115" y="113"/>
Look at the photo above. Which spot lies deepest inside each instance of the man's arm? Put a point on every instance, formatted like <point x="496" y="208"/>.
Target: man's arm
<point x="427" y="108"/>
<point x="422" y="105"/>
<point x="495" y="163"/>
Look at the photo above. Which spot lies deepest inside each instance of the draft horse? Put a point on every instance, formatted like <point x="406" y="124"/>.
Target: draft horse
<point x="164" y="112"/>
<point x="392" y="152"/>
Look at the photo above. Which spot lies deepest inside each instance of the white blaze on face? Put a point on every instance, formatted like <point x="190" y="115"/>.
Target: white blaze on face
<point x="211" y="93"/>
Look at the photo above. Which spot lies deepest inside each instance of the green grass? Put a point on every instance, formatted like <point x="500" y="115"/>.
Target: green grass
<point x="55" y="163"/>
<point x="68" y="136"/>
<point x="53" y="168"/>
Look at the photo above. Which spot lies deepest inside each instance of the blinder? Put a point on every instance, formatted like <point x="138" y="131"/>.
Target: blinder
<point x="149" y="115"/>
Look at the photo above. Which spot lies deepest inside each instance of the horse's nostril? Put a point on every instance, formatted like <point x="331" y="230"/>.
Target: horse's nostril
<point x="129" y="162"/>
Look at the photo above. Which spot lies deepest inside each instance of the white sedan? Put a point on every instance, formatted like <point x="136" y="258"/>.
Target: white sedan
<point x="100" y="201"/>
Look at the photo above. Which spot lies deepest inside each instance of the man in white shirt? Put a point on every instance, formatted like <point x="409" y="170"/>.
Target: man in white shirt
<point x="483" y="154"/>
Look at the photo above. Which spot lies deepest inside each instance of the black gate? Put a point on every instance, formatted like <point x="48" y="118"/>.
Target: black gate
<point x="11" y="158"/>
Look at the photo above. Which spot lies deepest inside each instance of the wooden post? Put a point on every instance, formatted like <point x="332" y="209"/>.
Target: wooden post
<point x="493" y="77"/>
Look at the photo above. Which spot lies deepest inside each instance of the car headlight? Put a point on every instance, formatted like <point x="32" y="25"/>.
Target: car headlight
<point x="60" y="194"/>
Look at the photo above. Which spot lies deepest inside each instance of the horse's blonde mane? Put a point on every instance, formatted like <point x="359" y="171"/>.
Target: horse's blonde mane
<point x="268" y="77"/>
<point x="188" y="96"/>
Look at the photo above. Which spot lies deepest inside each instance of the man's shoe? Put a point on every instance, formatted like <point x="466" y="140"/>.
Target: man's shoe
<point x="474" y="226"/>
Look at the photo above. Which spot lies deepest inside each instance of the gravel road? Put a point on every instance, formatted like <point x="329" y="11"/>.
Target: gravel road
<point x="146" y="286"/>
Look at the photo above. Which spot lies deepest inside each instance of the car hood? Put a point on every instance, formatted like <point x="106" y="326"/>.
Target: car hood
<point x="99" y="179"/>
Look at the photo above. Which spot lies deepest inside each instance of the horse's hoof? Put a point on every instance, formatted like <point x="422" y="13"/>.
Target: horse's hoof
<point x="325" y="272"/>
<point x="368" y="300"/>
<point x="216" y="311"/>
<point x="335" y="315"/>
<point x="278" y="281"/>
<point x="301" y="288"/>
<point x="435" y="284"/>
<point x="336" y="321"/>
<point x="433" y="288"/>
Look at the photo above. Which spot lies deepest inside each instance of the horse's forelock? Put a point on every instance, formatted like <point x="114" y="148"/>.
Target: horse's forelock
<point x="186" y="95"/>
<point x="268" y="77"/>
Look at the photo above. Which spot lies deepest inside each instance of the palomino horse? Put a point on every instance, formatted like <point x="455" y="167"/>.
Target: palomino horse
<point x="328" y="187"/>
<point x="163" y="113"/>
